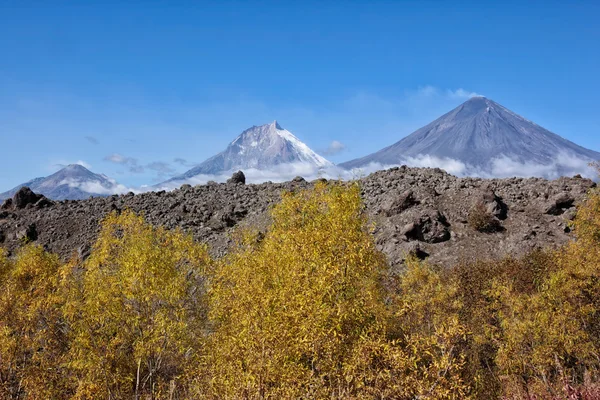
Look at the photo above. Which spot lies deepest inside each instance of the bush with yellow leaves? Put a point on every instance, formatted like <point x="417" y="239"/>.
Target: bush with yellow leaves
<point x="288" y="309"/>
<point x="137" y="311"/>
<point x="302" y="313"/>
<point x="550" y="339"/>
<point x="422" y="354"/>
<point x="33" y="339"/>
<point x="308" y="310"/>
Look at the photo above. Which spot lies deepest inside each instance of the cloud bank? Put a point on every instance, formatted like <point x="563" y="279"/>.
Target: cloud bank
<point x="500" y="167"/>
<point x="564" y="164"/>
<point x="96" y="187"/>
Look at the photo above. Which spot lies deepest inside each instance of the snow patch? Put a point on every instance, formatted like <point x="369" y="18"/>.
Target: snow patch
<point x="303" y="150"/>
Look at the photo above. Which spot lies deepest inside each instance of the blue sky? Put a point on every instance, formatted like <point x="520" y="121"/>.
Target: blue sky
<point x="154" y="82"/>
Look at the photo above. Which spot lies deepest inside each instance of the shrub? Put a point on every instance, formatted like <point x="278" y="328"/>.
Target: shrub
<point x="288" y="310"/>
<point x="33" y="338"/>
<point x="137" y="311"/>
<point x="481" y="220"/>
<point x="304" y="314"/>
<point x="549" y="339"/>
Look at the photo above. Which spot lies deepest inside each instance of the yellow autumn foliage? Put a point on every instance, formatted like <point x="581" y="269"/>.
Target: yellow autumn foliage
<point x="550" y="338"/>
<point x="137" y="311"/>
<point x="288" y="309"/>
<point x="309" y="309"/>
<point x="421" y="354"/>
<point x="303" y="313"/>
<point x="32" y="331"/>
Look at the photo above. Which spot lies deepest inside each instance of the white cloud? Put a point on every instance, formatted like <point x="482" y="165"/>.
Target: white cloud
<point x="62" y="163"/>
<point x="96" y="187"/>
<point x="334" y="147"/>
<point x="281" y="173"/>
<point x="183" y="162"/>
<point x="116" y="158"/>
<point x="452" y="166"/>
<point x="461" y="93"/>
<point x="499" y="167"/>
<point x="429" y="92"/>
<point x="83" y="164"/>
<point x="563" y="164"/>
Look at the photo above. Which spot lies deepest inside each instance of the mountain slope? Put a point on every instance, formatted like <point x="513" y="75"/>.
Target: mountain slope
<point x="74" y="182"/>
<point x="478" y="133"/>
<point x="260" y="147"/>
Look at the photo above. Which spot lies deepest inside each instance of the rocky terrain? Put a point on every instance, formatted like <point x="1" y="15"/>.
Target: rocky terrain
<point x="426" y="212"/>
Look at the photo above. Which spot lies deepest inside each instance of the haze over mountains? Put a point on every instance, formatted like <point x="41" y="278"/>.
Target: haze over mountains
<point x="482" y="138"/>
<point x="478" y="138"/>
<point x="74" y="182"/>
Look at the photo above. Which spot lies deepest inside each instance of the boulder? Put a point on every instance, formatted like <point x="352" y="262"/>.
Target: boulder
<point x="559" y="203"/>
<point x="228" y="217"/>
<point x="24" y="197"/>
<point x="414" y="250"/>
<point x="7" y="204"/>
<point x="232" y="215"/>
<point x="44" y="202"/>
<point x="431" y="227"/>
<point x="492" y="203"/>
<point x="83" y="252"/>
<point x="237" y="177"/>
<point x="27" y="233"/>
<point x="397" y="204"/>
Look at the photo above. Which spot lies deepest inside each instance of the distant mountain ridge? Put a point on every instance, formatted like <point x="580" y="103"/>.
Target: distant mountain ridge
<point x="259" y="147"/>
<point x="476" y="133"/>
<point x="74" y="182"/>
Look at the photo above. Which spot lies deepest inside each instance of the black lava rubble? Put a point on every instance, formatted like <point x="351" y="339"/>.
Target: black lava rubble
<point x="414" y="211"/>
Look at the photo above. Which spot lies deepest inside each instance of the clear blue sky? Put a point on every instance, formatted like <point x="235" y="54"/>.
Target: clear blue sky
<point x="157" y="81"/>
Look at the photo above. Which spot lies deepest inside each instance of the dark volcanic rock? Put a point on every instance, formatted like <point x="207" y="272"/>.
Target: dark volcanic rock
<point x="299" y="179"/>
<point x="396" y="205"/>
<point x="430" y="227"/>
<point x="83" y="252"/>
<point x="27" y="233"/>
<point x="24" y="197"/>
<point x="44" y="202"/>
<point x="559" y="204"/>
<point x="407" y="206"/>
<point x="6" y="204"/>
<point x="493" y="204"/>
<point x="237" y="177"/>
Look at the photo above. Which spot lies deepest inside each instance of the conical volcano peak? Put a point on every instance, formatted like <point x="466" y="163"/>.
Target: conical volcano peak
<point x="475" y="105"/>
<point x="75" y="167"/>
<point x="477" y="99"/>
<point x="262" y="147"/>
<point x="73" y="182"/>
<point x="483" y="137"/>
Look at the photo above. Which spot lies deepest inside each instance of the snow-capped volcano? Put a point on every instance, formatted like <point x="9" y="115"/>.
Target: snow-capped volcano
<point x="260" y="148"/>
<point x="73" y="182"/>
<point x="481" y="137"/>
